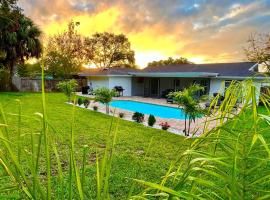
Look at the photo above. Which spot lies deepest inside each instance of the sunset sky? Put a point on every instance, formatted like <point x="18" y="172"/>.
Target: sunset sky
<point x="203" y="30"/>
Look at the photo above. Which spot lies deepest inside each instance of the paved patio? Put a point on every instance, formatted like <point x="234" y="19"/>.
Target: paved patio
<point x="177" y="125"/>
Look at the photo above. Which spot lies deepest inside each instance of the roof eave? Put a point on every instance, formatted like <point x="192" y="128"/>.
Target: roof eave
<point x="104" y="75"/>
<point x="242" y="77"/>
<point x="175" y="74"/>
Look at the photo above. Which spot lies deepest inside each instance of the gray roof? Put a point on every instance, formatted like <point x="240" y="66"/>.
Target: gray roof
<point x="240" y="69"/>
<point x="114" y="71"/>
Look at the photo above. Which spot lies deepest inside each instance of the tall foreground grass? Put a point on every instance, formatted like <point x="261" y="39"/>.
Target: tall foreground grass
<point x="230" y="161"/>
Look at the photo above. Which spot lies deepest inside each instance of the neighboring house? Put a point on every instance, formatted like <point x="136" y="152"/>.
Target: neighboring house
<point x="157" y="81"/>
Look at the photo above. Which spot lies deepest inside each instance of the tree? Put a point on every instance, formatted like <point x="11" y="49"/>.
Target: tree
<point x="107" y="50"/>
<point x="64" y="54"/>
<point x="29" y="70"/>
<point x="68" y="87"/>
<point x="258" y="49"/>
<point x="19" y="37"/>
<point x="104" y="95"/>
<point x="169" y="61"/>
<point x="187" y="100"/>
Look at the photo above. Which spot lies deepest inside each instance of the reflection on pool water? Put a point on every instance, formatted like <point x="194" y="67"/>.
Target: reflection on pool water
<point x="147" y="108"/>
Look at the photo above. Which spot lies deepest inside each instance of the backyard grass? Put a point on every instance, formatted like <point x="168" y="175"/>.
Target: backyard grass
<point x="140" y="152"/>
<point x="134" y="156"/>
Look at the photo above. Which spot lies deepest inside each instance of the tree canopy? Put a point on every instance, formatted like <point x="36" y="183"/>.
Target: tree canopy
<point x="19" y="37"/>
<point x="258" y="49"/>
<point x="64" y="54"/>
<point x="106" y="50"/>
<point x="169" y="61"/>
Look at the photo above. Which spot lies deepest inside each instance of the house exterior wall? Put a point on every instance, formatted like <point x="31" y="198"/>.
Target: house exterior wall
<point x="258" y="85"/>
<point x="111" y="82"/>
<point x="98" y="81"/>
<point x="216" y="86"/>
<point x="123" y="81"/>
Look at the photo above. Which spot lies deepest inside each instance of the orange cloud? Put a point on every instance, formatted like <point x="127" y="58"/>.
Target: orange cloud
<point x="207" y="32"/>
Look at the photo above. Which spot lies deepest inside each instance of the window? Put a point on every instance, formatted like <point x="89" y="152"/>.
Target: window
<point x="177" y="84"/>
<point x="227" y="84"/>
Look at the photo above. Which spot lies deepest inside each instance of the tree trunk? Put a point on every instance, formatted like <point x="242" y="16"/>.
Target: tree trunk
<point x="189" y="122"/>
<point x="107" y="109"/>
<point x="11" y="87"/>
<point x="185" y="130"/>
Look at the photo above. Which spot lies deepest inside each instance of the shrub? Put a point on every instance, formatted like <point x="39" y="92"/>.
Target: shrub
<point x="80" y="101"/>
<point x="164" y="125"/>
<point x="95" y="108"/>
<point x="151" y="120"/>
<point x="68" y="87"/>
<point x="121" y="115"/>
<point x="138" y="117"/>
<point x="86" y="103"/>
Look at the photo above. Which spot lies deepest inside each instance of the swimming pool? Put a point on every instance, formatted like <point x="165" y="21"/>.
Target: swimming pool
<point x="147" y="108"/>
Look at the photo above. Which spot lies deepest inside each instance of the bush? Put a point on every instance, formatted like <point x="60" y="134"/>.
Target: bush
<point x="68" y="87"/>
<point x="121" y="115"/>
<point x="138" y="117"/>
<point x="164" y="125"/>
<point x="95" y="108"/>
<point x="151" y="120"/>
<point x="86" y="103"/>
<point x="80" y="101"/>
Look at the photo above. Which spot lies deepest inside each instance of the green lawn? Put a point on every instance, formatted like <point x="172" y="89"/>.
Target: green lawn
<point x="140" y="152"/>
<point x="91" y="129"/>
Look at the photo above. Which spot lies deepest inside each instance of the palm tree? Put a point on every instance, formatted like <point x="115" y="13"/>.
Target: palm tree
<point x="19" y="38"/>
<point x="104" y="95"/>
<point x="188" y="102"/>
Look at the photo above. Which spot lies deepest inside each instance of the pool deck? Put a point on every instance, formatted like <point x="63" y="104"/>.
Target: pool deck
<point x="177" y="125"/>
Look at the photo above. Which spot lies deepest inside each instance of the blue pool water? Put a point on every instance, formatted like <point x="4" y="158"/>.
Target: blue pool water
<point x="147" y="108"/>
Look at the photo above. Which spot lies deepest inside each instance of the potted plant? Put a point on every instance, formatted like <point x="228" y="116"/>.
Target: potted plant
<point x="86" y="103"/>
<point x="121" y="115"/>
<point x="138" y="117"/>
<point x="164" y="125"/>
<point x="95" y="108"/>
<point x="151" y="120"/>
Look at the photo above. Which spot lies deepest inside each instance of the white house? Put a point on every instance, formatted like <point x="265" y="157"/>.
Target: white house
<point x="159" y="80"/>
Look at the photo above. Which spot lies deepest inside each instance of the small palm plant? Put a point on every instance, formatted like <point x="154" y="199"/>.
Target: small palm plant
<point x="229" y="161"/>
<point x="105" y="95"/>
<point x="68" y="87"/>
<point x="187" y="100"/>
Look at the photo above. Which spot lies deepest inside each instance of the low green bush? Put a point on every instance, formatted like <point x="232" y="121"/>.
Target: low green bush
<point x="138" y="117"/>
<point x="80" y="101"/>
<point x="151" y="120"/>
